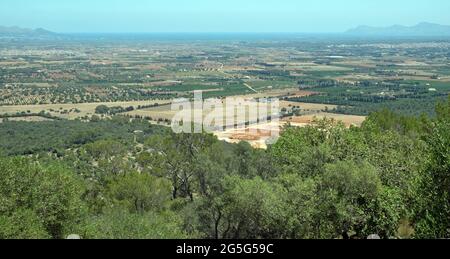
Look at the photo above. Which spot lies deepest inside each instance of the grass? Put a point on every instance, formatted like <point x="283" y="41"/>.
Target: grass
<point x="84" y="109"/>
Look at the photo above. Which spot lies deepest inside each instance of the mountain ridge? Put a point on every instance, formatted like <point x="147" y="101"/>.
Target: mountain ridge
<point x="15" y="30"/>
<point x="424" y="29"/>
<point x="421" y="29"/>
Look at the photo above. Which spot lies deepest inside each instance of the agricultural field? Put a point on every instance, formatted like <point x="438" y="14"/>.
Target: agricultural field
<point x="342" y="79"/>
<point x="71" y="111"/>
<point x="348" y="120"/>
<point x="242" y="114"/>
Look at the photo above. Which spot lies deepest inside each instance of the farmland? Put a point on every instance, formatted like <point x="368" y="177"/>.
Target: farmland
<point x="71" y="111"/>
<point x="313" y="78"/>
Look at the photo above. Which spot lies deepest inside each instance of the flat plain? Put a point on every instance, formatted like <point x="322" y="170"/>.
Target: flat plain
<point x="341" y="80"/>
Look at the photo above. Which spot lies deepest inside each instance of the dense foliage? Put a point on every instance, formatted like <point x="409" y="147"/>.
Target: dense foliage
<point x="22" y="138"/>
<point x="389" y="177"/>
<point x="410" y="98"/>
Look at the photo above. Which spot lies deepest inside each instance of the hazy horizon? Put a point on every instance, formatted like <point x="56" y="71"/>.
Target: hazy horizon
<point x="232" y="16"/>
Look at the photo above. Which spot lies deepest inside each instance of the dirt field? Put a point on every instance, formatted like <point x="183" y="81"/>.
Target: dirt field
<point x="348" y="120"/>
<point x="166" y="113"/>
<point x="85" y="109"/>
<point x="307" y="106"/>
<point x="287" y="92"/>
<point x="161" y="112"/>
<point x="28" y="119"/>
<point x="258" y="135"/>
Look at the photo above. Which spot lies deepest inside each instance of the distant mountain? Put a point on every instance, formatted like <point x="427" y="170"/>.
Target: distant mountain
<point x="17" y="31"/>
<point x="420" y="30"/>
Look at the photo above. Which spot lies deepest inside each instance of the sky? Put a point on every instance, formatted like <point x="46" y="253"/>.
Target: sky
<point x="131" y="16"/>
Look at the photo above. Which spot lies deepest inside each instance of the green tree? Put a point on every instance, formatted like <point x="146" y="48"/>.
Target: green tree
<point x="140" y="192"/>
<point x="22" y="224"/>
<point x="121" y="224"/>
<point x="248" y="208"/>
<point x="433" y="214"/>
<point x="303" y="150"/>
<point x="348" y="191"/>
<point x="102" y="109"/>
<point x="175" y="157"/>
<point x="48" y="197"/>
<point x="108" y="157"/>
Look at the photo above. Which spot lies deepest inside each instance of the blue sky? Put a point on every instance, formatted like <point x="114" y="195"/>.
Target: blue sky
<point x="218" y="15"/>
